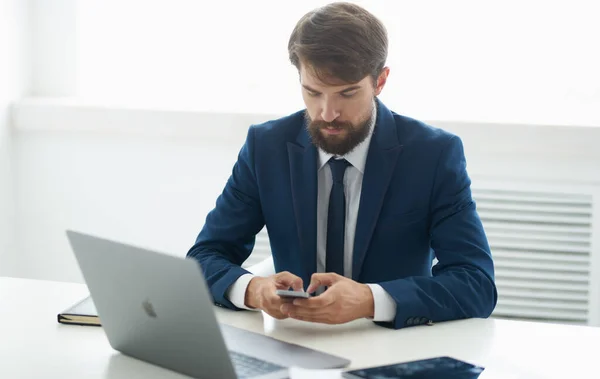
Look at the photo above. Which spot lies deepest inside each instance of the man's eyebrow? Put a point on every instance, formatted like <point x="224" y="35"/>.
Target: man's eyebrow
<point x="351" y="88"/>
<point x="310" y="89"/>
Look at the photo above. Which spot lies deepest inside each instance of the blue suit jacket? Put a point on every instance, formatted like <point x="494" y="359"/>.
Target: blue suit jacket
<point x="415" y="204"/>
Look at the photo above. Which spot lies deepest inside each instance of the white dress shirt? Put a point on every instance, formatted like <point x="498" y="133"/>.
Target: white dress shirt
<point x="385" y="306"/>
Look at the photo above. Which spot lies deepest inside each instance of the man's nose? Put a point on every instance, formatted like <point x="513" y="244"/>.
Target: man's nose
<point x="329" y="112"/>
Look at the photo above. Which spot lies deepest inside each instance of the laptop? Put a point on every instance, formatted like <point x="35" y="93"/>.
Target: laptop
<point x="157" y="308"/>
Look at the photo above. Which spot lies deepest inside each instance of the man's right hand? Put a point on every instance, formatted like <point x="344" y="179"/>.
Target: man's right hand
<point x="260" y="292"/>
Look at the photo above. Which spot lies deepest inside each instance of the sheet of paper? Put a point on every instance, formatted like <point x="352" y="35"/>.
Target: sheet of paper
<point x="302" y="373"/>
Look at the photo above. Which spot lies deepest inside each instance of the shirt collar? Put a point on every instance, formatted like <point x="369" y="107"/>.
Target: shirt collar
<point x="358" y="156"/>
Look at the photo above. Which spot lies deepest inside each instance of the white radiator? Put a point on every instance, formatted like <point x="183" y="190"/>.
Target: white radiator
<point x="541" y="244"/>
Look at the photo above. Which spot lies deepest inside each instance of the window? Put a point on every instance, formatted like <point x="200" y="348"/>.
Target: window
<point x="510" y="61"/>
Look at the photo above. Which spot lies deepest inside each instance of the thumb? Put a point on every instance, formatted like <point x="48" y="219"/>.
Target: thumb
<point x="324" y="279"/>
<point x="286" y="280"/>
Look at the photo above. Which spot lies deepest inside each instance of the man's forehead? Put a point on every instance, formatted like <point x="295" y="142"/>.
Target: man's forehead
<point x="313" y="79"/>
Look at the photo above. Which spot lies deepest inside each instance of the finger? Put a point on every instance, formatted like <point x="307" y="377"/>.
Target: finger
<point x="323" y="318"/>
<point x="323" y="300"/>
<point x="286" y="280"/>
<point x="274" y="301"/>
<point x="273" y="308"/>
<point x="322" y="279"/>
<point x="277" y="315"/>
<point x="279" y="301"/>
<point x="293" y="311"/>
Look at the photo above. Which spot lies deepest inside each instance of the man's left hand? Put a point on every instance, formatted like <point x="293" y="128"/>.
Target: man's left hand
<point x="343" y="301"/>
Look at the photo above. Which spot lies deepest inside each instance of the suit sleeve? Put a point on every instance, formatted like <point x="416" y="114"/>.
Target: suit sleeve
<point x="228" y="235"/>
<point x="462" y="282"/>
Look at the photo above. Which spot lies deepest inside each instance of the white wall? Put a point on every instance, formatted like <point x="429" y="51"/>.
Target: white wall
<point x="13" y="83"/>
<point x="150" y="177"/>
<point x="53" y="35"/>
<point x="6" y="202"/>
<point x="151" y="188"/>
<point x="143" y="190"/>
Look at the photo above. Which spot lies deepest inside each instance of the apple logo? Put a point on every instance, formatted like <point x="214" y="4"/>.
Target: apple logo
<point x="148" y="308"/>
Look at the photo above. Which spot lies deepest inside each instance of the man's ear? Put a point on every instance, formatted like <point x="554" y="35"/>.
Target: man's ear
<point x="381" y="80"/>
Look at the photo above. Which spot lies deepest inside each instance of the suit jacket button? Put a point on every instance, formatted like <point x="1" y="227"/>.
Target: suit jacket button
<point x="410" y="321"/>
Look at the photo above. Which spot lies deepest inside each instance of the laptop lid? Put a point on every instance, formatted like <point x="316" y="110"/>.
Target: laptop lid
<point x="144" y="297"/>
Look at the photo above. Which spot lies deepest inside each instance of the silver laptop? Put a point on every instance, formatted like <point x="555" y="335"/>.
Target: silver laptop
<point x="157" y="308"/>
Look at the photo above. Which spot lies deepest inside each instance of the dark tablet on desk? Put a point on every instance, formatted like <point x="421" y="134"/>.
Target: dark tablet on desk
<point x="433" y="368"/>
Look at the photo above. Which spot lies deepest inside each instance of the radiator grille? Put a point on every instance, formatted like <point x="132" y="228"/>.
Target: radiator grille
<point x="541" y="244"/>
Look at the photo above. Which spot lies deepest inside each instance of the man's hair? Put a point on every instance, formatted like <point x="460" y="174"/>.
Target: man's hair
<point x="339" y="42"/>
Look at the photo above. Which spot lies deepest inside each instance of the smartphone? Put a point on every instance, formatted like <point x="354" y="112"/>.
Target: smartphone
<point x="293" y="294"/>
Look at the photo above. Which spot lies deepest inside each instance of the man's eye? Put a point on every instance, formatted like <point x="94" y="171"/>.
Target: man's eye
<point x="313" y="94"/>
<point x="348" y="94"/>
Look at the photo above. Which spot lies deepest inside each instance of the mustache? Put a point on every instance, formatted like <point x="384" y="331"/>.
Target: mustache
<point x="320" y="124"/>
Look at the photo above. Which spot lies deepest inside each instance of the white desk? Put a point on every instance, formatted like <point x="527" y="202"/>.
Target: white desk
<point x="34" y="345"/>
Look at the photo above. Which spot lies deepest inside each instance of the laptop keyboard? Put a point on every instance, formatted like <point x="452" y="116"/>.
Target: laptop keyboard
<point x="247" y="367"/>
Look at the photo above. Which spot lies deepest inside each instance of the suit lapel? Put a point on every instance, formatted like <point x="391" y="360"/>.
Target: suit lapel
<point x="303" y="176"/>
<point x="379" y="168"/>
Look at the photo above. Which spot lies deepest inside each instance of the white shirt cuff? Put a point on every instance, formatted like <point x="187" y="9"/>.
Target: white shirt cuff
<point x="384" y="304"/>
<point x="236" y="293"/>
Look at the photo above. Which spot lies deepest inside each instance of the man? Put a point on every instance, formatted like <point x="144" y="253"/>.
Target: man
<point x="357" y="199"/>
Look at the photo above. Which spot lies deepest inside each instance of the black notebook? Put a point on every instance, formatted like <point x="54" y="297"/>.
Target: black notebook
<point x="82" y="313"/>
<point x="433" y="368"/>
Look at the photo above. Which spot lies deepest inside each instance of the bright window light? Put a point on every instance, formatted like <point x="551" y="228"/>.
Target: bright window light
<point x="501" y="61"/>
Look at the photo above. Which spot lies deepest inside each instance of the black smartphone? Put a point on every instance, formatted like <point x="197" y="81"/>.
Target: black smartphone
<point x="293" y="294"/>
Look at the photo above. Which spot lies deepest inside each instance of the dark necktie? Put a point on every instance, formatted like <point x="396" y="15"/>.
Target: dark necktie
<point x="336" y="219"/>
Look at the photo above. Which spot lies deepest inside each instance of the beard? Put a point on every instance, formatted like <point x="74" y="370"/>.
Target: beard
<point x="338" y="144"/>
